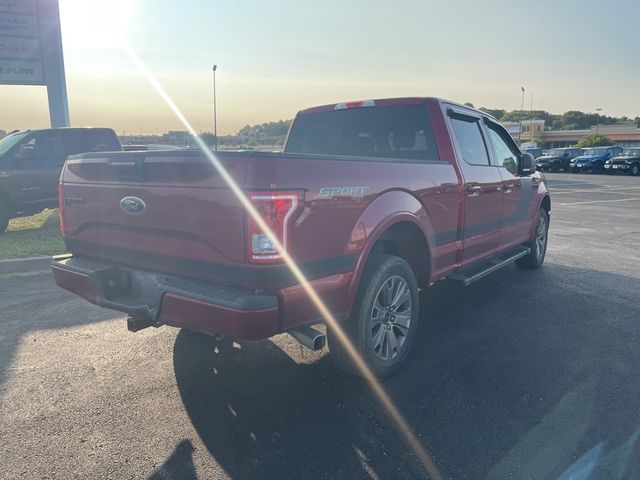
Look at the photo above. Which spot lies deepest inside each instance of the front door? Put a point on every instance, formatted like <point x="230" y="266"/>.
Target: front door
<point x="482" y="186"/>
<point x="518" y="191"/>
<point x="34" y="179"/>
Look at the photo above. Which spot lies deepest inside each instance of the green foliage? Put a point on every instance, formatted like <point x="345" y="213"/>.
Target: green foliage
<point x="469" y="104"/>
<point x="498" y="113"/>
<point x="266" y="130"/>
<point x="594" y="140"/>
<point x="3" y="133"/>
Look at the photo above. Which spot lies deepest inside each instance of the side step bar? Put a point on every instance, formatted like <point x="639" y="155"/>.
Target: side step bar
<point x="472" y="274"/>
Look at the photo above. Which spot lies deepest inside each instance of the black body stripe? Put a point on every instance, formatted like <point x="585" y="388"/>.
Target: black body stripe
<point x="242" y="275"/>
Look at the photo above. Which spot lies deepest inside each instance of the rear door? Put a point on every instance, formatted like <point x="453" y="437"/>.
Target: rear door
<point x="483" y="195"/>
<point x="518" y="191"/>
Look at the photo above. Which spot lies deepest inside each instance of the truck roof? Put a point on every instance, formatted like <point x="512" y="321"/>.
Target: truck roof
<point x="387" y="102"/>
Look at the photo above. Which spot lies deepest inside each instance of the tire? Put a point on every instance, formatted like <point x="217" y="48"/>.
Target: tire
<point x="4" y="219"/>
<point x="635" y="169"/>
<point x="374" y="331"/>
<point x="555" y="167"/>
<point x="538" y="243"/>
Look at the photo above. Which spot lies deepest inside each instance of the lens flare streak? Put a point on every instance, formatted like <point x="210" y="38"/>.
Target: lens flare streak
<point x="403" y="428"/>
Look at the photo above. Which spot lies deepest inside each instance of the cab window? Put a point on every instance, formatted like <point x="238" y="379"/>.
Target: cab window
<point x="505" y="153"/>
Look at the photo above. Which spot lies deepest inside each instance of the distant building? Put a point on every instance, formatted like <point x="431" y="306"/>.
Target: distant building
<point x="179" y="138"/>
<point x="621" y="134"/>
<point x="531" y="129"/>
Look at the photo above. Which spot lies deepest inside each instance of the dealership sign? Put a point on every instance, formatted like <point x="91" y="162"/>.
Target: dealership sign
<point x="31" y="51"/>
<point x="20" y="58"/>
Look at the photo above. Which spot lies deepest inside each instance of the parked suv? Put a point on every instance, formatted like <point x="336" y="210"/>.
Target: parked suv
<point x="535" y="152"/>
<point x="593" y="159"/>
<point x="31" y="162"/>
<point x="627" y="162"/>
<point x="557" y="159"/>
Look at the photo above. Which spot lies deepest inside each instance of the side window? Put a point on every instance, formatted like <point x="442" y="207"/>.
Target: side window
<point x="50" y="148"/>
<point x="505" y="154"/>
<point x="470" y="141"/>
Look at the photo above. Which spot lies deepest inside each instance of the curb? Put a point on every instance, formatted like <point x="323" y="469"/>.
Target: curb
<point x="25" y="265"/>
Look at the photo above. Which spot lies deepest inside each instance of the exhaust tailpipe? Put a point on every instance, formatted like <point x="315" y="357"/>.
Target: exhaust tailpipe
<point x="135" y="324"/>
<point x="309" y="337"/>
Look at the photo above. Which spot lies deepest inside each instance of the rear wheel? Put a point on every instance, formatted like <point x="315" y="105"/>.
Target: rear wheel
<point x="538" y="243"/>
<point x="555" y="167"/>
<point x="384" y="321"/>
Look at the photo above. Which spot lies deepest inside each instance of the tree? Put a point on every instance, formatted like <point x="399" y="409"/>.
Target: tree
<point x="3" y="134"/>
<point x="498" y="113"/>
<point x="594" y="140"/>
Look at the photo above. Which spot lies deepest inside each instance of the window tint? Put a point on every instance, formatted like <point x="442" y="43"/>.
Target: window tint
<point x="83" y="141"/>
<point x="401" y="131"/>
<point x="504" y="152"/>
<point x="50" y="147"/>
<point x="470" y="141"/>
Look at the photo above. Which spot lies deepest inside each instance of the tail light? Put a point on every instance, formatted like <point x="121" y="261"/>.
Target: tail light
<point x="276" y="209"/>
<point x="61" y="205"/>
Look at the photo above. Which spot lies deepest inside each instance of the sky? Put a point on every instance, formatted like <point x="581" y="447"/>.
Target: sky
<point x="277" y="57"/>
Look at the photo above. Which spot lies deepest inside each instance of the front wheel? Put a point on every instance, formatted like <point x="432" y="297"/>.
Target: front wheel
<point x="4" y="219"/>
<point x="635" y="169"/>
<point x="538" y="243"/>
<point x="555" y="167"/>
<point x="384" y="321"/>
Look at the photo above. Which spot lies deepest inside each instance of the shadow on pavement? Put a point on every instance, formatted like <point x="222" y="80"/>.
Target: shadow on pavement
<point x="525" y="374"/>
<point x="179" y="466"/>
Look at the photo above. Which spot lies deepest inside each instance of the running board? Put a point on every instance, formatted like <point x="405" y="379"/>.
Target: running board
<point x="472" y="274"/>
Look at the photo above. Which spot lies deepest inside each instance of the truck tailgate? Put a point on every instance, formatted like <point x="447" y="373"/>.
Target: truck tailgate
<point x="133" y="208"/>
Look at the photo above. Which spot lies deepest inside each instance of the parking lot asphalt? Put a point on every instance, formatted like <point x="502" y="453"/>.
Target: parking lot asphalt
<point x="525" y="374"/>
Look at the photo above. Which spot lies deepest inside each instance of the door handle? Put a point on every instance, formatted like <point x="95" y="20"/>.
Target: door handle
<point x="508" y="187"/>
<point x="473" y="190"/>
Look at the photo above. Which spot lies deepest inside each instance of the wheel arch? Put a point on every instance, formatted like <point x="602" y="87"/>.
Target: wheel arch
<point x="401" y="227"/>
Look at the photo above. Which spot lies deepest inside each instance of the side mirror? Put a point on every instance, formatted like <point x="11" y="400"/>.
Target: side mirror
<point x="526" y="164"/>
<point x="27" y="151"/>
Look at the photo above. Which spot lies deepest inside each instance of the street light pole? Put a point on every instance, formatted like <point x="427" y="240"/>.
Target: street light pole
<point x="598" y="110"/>
<point x="215" y="113"/>
<point x="521" y="114"/>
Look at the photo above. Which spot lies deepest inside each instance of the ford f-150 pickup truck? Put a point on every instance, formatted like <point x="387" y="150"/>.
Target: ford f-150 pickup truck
<point x="372" y="199"/>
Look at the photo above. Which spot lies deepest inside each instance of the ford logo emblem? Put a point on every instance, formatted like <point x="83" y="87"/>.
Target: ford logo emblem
<point x="132" y="205"/>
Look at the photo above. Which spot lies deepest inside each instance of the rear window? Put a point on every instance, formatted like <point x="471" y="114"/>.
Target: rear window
<point x="400" y="132"/>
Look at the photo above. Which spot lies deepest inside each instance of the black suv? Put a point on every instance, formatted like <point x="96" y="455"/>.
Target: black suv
<point x="557" y="159"/>
<point x="31" y="162"/>
<point x="627" y="162"/>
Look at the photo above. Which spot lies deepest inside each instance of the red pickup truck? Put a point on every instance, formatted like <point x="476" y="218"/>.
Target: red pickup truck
<point x="372" y="199"/>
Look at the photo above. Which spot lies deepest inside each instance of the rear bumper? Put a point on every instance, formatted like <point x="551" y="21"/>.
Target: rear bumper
<point x="170" y="300"/>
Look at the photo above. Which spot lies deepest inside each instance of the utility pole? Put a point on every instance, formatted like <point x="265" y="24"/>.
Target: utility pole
<point x="215" y="113"/>
<point x="598" y="110"/>
<point x="521" y="115"/>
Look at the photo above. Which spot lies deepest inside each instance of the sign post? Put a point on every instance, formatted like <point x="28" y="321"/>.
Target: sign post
<point x="31" y="51"/>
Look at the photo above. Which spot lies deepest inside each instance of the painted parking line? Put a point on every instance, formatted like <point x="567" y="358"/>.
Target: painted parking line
<point x="602" y="201"/>
<point x="608" y="190"/>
